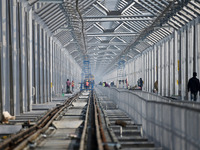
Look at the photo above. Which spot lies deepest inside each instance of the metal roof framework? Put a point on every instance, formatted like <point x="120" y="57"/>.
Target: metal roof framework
<point x="111" y="30"/>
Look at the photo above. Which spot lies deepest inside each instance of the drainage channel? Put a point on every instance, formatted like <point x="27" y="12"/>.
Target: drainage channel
<point x="129" y="134"/>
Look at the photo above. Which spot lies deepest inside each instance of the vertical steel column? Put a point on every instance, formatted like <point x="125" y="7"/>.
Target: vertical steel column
<point x="48" y="68"/>
<point x="191" y="52"/>
<point x="179" y="63"/>
<point x="51" y="67"/>
<point x="133" y="75"/>
<point x="1" y="99"/>
<point x="15" y="62"/>
<point x="20" y="58"/>
<point x="171" y="67"/>
<point x="163" y="68"/>
<point x="159" y="70"/>
<point x="41" y="64"/>
<point x="146" y="72"/>
<point x="4" y="53"/>
<point x="65" y="70"/>
<point x="155" y="66"/>
<point x="163" y="75"/>
<point x="176" y="62"/>
<point x="68" y="67"/>
<point x="57" y="68"/>
<point x="36" y="53"/>
<point x="134" y="72"/>
<point x="184" y="47"/>
<point x="189" y="57"/>
<point x="30" y="58"/>
<point x="167" y="91"/>
<point x="54" y="67"/>
<point x="130" y="72"/>
<point x="150" y="71"/>
<point x="33" y="60"/>
<point x="23" y="57"/>
<point x="141" y="73"/>
<point x="26" y="58"/>
<point x="10" y="55"/>
<point x="62" y="68"/>
<point x="188" y="51"/>
<point x="44" y="67"/>
<point x="197" y="48"/>
<point x="197" y="45"/>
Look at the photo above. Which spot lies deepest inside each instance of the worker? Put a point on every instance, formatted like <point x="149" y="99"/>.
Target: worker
<point x="140" y="83"/>
<point x="155" y="89"/>
<point x="194" y="86"/>
<point x="72" y="86"/>
<point x="68" y="86"/>
<point x="87" y="84"/>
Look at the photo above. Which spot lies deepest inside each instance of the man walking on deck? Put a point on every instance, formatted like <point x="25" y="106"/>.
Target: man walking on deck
<point x="194" y="86"/>
<point x="72" y="86"/>
<point x="68" y="86"/>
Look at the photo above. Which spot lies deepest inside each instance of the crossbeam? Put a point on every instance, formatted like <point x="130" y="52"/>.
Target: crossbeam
<point x="51" y="1"/>
<point x="111" y="34"/>
<point x="118" y="18"/>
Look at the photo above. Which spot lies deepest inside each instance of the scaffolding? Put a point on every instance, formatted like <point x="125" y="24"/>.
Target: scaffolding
<point x="86" y="74"/>
<point x="121" y="75"/>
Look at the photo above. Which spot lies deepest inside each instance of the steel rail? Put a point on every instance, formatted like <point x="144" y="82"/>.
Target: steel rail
<point x="100" y="127"/>
<point x="98" y="134"/>
<point x="107" y="123"/>
<point x="84" y="133"/>
<point x="20" y="140"/>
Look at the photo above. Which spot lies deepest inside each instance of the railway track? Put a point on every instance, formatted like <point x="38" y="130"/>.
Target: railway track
<point x="127" y="134"/>
<point x="87" y="121"/>
<point x="26" y="136"/>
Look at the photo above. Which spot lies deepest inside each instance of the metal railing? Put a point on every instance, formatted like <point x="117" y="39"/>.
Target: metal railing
<point x="172" y="124"/>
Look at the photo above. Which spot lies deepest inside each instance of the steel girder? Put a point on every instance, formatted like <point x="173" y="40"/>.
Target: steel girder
<point x="131" y="27"/>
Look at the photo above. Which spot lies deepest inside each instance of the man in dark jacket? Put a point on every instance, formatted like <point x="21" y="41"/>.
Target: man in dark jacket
<point x="194" y="86"/>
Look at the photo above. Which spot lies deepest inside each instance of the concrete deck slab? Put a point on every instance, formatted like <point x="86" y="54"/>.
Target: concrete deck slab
<point x="9" y="129"/>
<point x="83" y="97"/>
<point x="60" y="139"/>
<point x="85" y="93"/>
<point x="73" y="112"/>
<point x="79" y="104"/>
<point x="67" y="123"/>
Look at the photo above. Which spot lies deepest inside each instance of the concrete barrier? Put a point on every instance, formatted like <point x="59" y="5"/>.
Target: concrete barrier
<point x="174" y="125"/>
